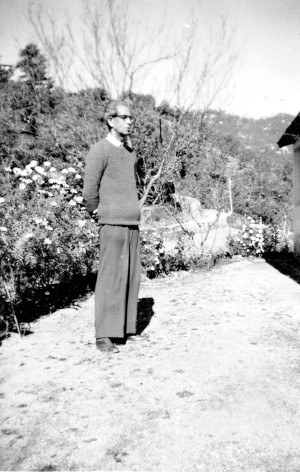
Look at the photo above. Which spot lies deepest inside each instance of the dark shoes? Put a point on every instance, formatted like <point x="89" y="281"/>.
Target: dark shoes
<point x="135" y="338"/>
<point x="106" y="345"/>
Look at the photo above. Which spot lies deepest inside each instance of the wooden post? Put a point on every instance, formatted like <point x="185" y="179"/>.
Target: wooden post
<point x="296" y="198"/>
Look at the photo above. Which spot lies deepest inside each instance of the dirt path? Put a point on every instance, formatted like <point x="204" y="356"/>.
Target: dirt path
<point x="214" y="386"/>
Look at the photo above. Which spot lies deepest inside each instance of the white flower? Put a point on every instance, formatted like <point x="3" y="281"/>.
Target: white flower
<point x="72" y="203"/>
<point x="78" y="199"/>
<point x="65" y="171"/>
<point x="47" y="164"/>
<point x="81" y="223"/>
<point x="40" y="170"/>
<point x="2" y="228"/>
<point x="77" y="176"/>
<point x="2" y="200"/>
<point x="54" y="204"/>
<point x="52" y="169"/>
<point x="22" y="186"/>
<point x="72" y="170"/>
<point x="17" y="171"/>
<point x="7" y="169"/>
<point x="32" y="164"/>
<point x="35" y="177"/>
<point x="26" y="181"/>
<point x="47" y="241"/>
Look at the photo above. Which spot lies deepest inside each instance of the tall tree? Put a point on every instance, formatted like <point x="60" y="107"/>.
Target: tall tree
<point x="33" y="64"/>
<point x="33" y="96"/>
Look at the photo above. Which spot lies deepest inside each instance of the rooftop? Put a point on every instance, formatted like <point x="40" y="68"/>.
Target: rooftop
<point x="291" y="134"/>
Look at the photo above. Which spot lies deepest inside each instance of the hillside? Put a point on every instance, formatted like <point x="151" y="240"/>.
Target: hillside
<point x="259" y="135"/>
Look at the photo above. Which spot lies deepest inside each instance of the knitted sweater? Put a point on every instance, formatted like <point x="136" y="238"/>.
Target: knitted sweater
<point x="110" y="185"/>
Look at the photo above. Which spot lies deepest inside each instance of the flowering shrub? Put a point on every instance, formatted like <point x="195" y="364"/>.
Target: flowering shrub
<point x="153" y="254"/>
<point x="156" y="261"/>
<point x="256" y="239"/>
<point x="45" y="236"/>
<point x="249" y="241"/>
<point x="271" y="238"/>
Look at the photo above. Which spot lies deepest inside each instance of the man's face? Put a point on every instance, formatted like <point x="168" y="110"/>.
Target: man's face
<point x="121" y="124"/>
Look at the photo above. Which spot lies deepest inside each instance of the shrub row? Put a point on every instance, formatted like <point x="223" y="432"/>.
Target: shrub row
<point x="48" y="242"/>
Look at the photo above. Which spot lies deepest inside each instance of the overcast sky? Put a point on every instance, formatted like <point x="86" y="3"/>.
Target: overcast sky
<point x="267" y="35"/>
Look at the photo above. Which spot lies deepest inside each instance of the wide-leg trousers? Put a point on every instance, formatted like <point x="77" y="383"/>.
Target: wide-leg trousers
<point x="118" y="281"/>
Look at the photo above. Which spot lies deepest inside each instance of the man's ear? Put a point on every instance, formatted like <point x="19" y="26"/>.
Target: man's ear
<point x="109" y="121"/>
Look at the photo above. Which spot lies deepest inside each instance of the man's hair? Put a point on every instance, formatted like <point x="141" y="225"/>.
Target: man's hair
<point x="111" y="109"/>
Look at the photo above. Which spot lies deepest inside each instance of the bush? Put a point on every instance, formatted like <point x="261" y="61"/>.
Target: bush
<point x="156" y="261"/>
<point x="256" y="239"/>
<point x="249" y="241"/>
<point x="46" y="238"/>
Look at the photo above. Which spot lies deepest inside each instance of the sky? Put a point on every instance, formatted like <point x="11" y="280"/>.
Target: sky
<point x="266" y="80"/>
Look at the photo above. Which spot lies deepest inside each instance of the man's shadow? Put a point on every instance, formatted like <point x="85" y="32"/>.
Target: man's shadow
<point x="144" y="314"/>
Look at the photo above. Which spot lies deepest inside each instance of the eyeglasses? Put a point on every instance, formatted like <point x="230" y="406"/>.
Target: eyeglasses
<point x="125" y="117"/>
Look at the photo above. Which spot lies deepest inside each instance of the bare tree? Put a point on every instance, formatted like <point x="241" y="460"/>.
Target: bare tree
<point x="118" y="50"/>
<point x="57" y="43"/>
<point x="200" y="77"/>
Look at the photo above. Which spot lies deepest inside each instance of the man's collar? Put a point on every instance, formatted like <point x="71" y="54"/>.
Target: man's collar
<point x="114" y="140"/>
<point x="127" y="142"/>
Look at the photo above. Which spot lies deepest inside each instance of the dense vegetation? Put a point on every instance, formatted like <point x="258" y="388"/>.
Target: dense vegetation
<point x="46" y="237"/>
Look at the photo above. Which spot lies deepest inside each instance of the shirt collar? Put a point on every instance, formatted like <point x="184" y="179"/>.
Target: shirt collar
<point x="114" y="140"/>
<point x="118" y="143"/>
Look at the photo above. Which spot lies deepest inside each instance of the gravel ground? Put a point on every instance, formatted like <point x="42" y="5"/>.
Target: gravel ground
<point x="214" y="384"/>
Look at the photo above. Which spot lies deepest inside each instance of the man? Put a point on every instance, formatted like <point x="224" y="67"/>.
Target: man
<point x="110" y="188"/>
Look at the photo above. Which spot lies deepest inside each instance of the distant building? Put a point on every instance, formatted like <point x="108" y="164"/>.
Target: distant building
<point x="291" y="136"/>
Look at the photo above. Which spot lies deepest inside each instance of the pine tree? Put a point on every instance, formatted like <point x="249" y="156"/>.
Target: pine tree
<point x="33" y="65"/>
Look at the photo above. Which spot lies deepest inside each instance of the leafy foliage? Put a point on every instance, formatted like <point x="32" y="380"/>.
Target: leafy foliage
<point x="45" y="237"/>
